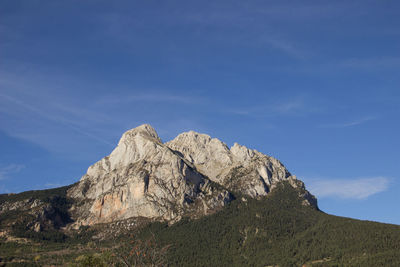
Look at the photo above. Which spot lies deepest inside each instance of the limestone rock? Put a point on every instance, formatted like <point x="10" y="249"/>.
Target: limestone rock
<point x="239" y="169"/>
<point x="192" y="175"/>
<point x="142" y="177"/>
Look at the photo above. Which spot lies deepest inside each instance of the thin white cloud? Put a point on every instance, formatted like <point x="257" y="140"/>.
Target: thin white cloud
<point x="371" y="64"/>
<point x="349" y="123"/>
<point x="360" y="188"/>
<point x="245" y="111"/>
<point x="40" y="113"/>
<point x="55" y="117"/>
<point x="301" y="11"/>
<point x="293" y="105"/>
<point x="6" y="171"/>
<point x="148" y="97"/>
<point x="233" y="19"/>
<point x="285" y="46"/>
<point x="290" y="107"/>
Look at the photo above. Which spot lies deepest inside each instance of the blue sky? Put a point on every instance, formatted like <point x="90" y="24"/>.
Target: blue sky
<point x="312" y="83"/>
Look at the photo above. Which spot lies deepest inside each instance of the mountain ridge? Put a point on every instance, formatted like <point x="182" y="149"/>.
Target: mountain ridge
<point x="209" y="204"/>
<point x="193" y="173"/>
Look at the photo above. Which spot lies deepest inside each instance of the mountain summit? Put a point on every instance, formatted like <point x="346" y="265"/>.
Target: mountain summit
<point x="193" y="175"/>
<point x="258" y="214"/>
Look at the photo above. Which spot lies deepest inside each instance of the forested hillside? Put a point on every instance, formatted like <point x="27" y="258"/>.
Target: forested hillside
<point x="276" y="230"/>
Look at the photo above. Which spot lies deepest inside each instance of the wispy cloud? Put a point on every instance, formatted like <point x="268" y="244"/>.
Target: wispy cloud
<point x="245" y="111"/>
<point x="228" y="24"/>
<point x="155" y="97"/>
<point x="55" y="117"/>
<point x="9" y="170"/>
<point x="371" y="64"/>
<point x="66" y="119"/>
<point x="289" y="48"/>
<point x="301" y="11"/>
<point x="293" y="106"/>
<point x="360" y="188"/>
<point x="349" y="123"/>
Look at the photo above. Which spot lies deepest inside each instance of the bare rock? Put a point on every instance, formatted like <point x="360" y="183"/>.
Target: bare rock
<point x="239" y="168"/>
<point x="142" y="177"/>
<point x="191" y="175"/>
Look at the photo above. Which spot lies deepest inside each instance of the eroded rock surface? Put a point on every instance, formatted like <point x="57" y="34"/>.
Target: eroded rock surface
<point x="239" y="169"/>
<point x="142" y="177"/>
<point x="193" y="174"/>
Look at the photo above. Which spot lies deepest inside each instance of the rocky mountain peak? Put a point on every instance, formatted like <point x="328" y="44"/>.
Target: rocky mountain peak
<point x="193" y="174"/>
<point x="144" y="130"/>
<point x="193" y="139"/>
<point x="134" y="145"/>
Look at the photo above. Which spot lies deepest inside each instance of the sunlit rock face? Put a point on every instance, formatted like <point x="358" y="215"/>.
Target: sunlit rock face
<point x="192" y="175"/>
<point x="239" y="169"/>
<point x="142" y="177"/>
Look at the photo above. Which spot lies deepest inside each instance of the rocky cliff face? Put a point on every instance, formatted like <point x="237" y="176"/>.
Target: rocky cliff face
<point x="193" y="174"/>
<point x="142" y="177"/>
<point x="239" y="169"/>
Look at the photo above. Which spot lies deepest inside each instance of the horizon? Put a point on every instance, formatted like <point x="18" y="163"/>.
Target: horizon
<point x="314" y="84"/>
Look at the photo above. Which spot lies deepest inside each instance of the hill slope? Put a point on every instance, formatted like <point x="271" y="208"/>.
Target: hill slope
<point x="211" y="205"/>
<point x="278" y="230"/>
<point x="194" y="173"/>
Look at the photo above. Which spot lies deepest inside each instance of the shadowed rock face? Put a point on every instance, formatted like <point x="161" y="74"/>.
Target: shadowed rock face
<point x="142" y="177"/>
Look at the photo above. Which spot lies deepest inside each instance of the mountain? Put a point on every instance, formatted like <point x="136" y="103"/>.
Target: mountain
<point x="143" y="177"/>
<point x="192" y="201"/>
<point x="275" y="230"/>
<point x="193" y="174"/>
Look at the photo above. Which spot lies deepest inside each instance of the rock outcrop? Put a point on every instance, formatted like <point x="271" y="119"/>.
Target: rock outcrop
<point x="239" y="169"/>
<point x="142" y="177"/>
<point x="193" y="175"/>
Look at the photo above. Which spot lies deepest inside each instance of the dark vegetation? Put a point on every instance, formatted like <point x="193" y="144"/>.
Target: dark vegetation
<point x="278" y="230"/>
<point x="52" y="216"/>
<point x="275" y="230"/>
